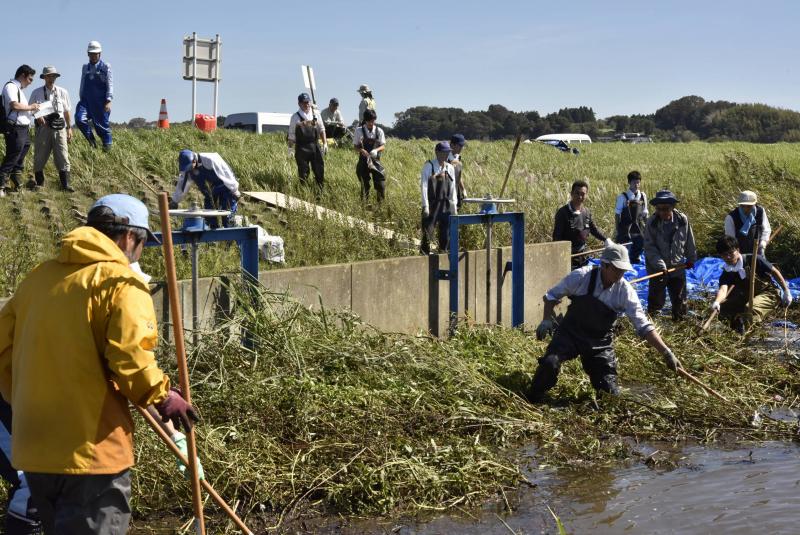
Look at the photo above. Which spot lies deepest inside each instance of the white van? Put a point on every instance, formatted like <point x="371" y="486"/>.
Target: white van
<point x="259" y="122"/>
<point x="569" y="138"/>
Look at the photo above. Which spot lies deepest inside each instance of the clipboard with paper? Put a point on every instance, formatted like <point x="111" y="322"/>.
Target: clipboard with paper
<point x="45" y="109"/>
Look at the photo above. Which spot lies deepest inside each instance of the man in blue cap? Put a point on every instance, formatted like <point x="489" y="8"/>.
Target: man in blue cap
<point x="215" y="180"/>
<point x="439" y="198"/>
<point x="668" y="245"/>
<point x="305" y="130"/>
<point x="457" y="144"/>
<point x="333" y="120"/>
<point x="70" y="391"/>
<point x="96" y="94"/>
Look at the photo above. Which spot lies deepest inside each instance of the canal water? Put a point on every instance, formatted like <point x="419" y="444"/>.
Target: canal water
<point x="692" y="490"/>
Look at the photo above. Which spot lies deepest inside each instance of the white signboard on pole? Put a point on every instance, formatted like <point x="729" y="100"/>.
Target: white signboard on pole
<point x="308" y="81"/>
<point x="202" y="59"/>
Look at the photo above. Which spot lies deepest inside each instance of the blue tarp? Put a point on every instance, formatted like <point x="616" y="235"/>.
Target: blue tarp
<point x="701" y="280"/>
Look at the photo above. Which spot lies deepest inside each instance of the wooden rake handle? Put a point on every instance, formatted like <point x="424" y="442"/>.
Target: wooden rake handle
<point x="206" y="485"/>
<point x="702" y="385"/>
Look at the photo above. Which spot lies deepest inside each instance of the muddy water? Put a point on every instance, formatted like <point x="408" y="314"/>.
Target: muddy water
<point x="695" y="490"/>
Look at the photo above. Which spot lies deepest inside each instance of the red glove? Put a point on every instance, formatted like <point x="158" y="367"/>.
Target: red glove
<point x="175" y="409"/>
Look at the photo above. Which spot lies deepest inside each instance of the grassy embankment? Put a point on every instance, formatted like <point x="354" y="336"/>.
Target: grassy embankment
<point x="329" y="416"/>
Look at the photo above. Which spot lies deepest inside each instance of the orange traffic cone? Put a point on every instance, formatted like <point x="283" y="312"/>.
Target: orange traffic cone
<point x="163" y="118"/>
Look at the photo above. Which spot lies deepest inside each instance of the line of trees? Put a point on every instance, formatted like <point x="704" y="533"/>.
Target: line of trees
<point x="685" y="119"/>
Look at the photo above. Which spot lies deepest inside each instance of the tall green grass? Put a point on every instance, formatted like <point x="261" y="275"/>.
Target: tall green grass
<point x="707" y="178"/>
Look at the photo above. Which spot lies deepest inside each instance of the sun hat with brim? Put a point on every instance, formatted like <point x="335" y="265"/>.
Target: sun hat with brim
<point x="127" y="210"/>
<point x="616" y="255"/>
<point x="49" y="69"/>
<point x="664" y="196"/>
<point x="747" y="198"/>
<point x="364" y="88"/>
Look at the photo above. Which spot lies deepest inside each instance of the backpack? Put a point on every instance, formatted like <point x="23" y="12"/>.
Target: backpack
<point x="6" y="125"/>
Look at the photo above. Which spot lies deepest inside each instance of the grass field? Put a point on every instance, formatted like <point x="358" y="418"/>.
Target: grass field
<point x="327" y="415"/>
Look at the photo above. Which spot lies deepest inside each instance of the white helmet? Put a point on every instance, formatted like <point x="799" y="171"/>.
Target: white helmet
<point x="94" y="47"/>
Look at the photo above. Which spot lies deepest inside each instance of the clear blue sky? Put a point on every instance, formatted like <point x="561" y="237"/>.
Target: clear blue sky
<point x="619" y="57"/>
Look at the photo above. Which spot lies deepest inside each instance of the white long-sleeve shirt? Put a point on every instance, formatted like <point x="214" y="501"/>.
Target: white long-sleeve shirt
<point x="209" y="162"/>
<point x="764" y="235"/>
<point x="432" y="167"/>
<point x="620" y="296"/>
<point x="300" y="115"/>
<point x="628" y="195"/>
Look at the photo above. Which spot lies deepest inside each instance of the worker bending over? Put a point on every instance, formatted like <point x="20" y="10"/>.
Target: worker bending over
<point x="598" y="295"/>
<point x="214" y="178"/>
<point x="733" y="297"/>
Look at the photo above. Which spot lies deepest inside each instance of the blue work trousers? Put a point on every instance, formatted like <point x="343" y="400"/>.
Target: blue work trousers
<point x="220" y="198"/>
<point x="96" y="113"/>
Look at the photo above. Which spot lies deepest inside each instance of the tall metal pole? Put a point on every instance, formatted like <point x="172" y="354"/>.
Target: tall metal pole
<point x="194" y="76"/>
<point x="216" y="75"/>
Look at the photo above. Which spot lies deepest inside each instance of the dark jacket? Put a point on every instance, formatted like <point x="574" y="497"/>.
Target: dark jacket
<point x="666" y="245"/>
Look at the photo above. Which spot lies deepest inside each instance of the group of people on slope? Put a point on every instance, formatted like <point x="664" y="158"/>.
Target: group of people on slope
<point x="599" y="294"/>
<point x="53" y="130"/>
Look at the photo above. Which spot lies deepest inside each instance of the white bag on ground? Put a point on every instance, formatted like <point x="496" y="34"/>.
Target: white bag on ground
<point x="270" y="248"/>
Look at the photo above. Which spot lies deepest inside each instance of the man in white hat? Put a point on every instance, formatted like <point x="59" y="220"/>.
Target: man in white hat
<point x="598" y="295"/>
<point x="367" y="102"/>
<point x="96" y="94"/>
<point x="747" y="222"/>
<point x="53" y="131"/>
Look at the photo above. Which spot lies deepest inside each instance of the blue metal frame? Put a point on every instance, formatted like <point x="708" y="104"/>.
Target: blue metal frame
<point x="246" y="237"/>
<point x="516" y="266"/>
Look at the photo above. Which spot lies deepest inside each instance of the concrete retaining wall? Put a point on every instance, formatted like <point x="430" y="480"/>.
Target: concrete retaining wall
<point x="396" y="294"/>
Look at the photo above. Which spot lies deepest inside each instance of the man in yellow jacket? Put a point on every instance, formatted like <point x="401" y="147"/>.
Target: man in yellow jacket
<point x="76" y="345"/>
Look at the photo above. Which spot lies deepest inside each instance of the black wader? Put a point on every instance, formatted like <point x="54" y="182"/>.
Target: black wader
<point x="363" y="171"/>
<point x="440" y="191"/>
<point x="587" y="330"/>
<point x="307" y="152"/>
<point x="629" y="229"/>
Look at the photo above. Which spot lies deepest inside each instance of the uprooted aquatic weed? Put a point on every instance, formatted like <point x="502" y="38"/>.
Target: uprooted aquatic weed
<point x="328" y="414"/>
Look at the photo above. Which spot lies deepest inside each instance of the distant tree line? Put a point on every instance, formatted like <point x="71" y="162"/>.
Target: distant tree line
<point x="685" y="119"/>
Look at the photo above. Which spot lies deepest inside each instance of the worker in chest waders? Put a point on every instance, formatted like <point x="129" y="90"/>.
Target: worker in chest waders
<point x="733" y="297"/>
<point x="438" y="187"/>
<point x="668" y="243"/>
<point x="630" y="215"/>
<point x="598" y="295"/>
<point x="574" y="223"/>
<point x="748" y="222"/>
<point x="305" y="129"/>
<point x="214" y="178"/>
<point x="457" y="144"/>
<point x="370" y="142"/>
<point x="96" y="93"/>
<point x="70" y="390"/>
<point x="367" y="102"/>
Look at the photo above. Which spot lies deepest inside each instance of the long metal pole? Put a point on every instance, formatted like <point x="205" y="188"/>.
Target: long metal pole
<point x="195" y="276"/>
<point x="194" y="76"/>
<point x="216" y="76"/>
<point x="488" y="268"/>
<point x="180" y="354"/>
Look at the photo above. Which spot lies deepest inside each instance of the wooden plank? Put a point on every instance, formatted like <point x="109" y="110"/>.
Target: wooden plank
<point x="287" y="202"/>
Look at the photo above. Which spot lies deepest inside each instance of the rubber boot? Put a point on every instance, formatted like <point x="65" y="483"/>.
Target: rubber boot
<point x="16" y="178"/>
<point x="92" y="142"/>
<point x="39" y="178"/>
<point x="64" y="177"/>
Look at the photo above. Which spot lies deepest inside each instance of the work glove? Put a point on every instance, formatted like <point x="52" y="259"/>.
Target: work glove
<point x="762" y="246"/>
<point x="289" y="152"/>
<point x="426" y="212"/>
<point x="670" y="360"/>
<point x="608" y="242"/>
<point x="175" y="409"/>
<point x="715" y="306"/>
<point x="180" y="440"/>
<point x="324" y="148"/>
<point x="544" y="328"/>
<point x="786" y="298"/>
<point x="373" y="153"/>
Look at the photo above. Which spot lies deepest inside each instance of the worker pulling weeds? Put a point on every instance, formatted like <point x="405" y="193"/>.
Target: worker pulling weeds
<point x="72" y="431"/>
<point x="598" y="295"/>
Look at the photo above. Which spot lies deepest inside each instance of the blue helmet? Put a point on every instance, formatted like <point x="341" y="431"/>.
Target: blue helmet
<point x="185" y="160"/>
